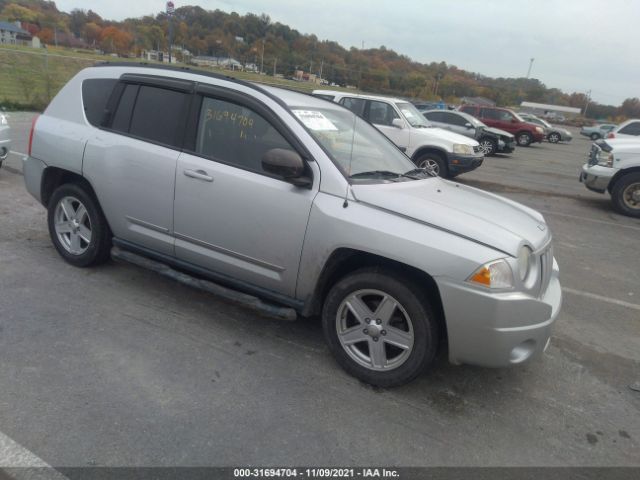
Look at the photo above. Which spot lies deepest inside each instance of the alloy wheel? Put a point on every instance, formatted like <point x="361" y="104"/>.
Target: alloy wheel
<point x="72" y="225"/>
<point x="430" y="164"/>
<point x="375" y="330"/>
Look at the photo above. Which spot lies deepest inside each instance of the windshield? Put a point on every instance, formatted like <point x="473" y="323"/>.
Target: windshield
<point x="518" y="117"/>
<point x="356" y="146"/>
<point x="412" y="115"/>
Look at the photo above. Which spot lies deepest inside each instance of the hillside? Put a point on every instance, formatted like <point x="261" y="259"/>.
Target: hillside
<point x="256" y="39"/>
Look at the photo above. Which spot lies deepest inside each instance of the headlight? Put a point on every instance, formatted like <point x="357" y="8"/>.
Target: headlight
<point x="495" y="274"/>
<point x="539" y="130"/>
<point x="462" y="149"/>
<point x="605" y="159"/>
<point x="524" y="262"/>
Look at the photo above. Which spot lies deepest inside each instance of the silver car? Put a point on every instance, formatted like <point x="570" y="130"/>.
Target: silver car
<point x="5" y="138"/>
<point x="553" y="133"/>
<point x="298" y="201"/>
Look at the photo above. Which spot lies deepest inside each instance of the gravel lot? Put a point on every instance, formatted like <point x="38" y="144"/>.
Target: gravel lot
<point x="117" y="366"/>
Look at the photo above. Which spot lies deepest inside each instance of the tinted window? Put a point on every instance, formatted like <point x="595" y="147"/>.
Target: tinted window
<point x="356" y="105"/>
<point x="435" y="117"/>
<point x="631" y="129"/>
<point x="122" y="117"/>
<point x="158" y="115"/>
<point x="95" y="93"/>
<point x="235" y="135"/>
<point x="454" y="119"/>
<point x="381" y="113"/>
<point x="490" y="114"/>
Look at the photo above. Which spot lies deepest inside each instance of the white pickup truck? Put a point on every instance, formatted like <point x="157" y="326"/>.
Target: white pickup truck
<point x="614" y="167"/>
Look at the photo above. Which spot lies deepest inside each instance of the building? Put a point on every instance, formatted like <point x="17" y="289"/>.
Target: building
<point x="157" y="56"/>
<point x="14" y="34"/>
<point x="222" y="62"/>
<point x="545" y="110"/>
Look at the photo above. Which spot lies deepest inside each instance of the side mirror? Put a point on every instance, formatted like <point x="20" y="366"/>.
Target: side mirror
<point x="286" y="164"/>
<point x="397" y="122"/>
<point x="468" y="125"/>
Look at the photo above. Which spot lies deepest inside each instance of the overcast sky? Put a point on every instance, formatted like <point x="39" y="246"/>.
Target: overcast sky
<point x="578" y="45"/>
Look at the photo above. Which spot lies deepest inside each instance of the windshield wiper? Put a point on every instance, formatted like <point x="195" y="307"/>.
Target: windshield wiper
<point x="424" y="171"/>
<point x="386" y="173"/>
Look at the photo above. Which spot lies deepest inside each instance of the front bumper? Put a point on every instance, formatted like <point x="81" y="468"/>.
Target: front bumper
<point x="463" y="163"/>
<point x="596" y="177"/>
<point x="506" y="147"/>
<point x="498" y="329"/>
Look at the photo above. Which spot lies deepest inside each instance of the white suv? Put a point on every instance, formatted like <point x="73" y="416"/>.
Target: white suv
<point x="448" y="154"/>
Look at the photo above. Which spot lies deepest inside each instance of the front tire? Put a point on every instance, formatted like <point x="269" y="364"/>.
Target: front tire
<point x="77" y="226"/>
<point x="595" y="136"/>
<point x="553" y="137"/>
<point x="524" y="139"/>
<point x="379" y="328"/>
<point x="625" y="195"/>
<point x="488" y="146"/>
<point x="433" y="161"/>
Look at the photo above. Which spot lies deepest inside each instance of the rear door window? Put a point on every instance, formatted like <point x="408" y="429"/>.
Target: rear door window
<point x="159" y="115"/>
<point x="122" y="116"/>
<point x="95" y="94"/>
<point x="435" y="117"/>
<point x="356" y="105"/>
<point x="453" y="119"/>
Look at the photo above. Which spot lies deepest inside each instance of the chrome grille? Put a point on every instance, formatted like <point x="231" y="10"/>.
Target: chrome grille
<point x="546" y="269"/>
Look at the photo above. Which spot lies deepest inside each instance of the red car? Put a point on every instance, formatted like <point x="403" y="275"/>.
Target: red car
<point x="505" y="119"/>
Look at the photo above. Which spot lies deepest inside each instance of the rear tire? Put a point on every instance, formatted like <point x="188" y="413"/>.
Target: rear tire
<point x="553" y="137"/>
<point x="367" y="314"/>
<point x="625" y="194"/>
<point x="435" y="161"/>
<point x="77" y="226"/>
<point x="524" y="139"/>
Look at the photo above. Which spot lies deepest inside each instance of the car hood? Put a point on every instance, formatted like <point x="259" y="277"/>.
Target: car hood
<point x="469" y="212"/>
<point x="497" y="131"/>
<point x="445" y="135"/>
<point x="624" y="145"/>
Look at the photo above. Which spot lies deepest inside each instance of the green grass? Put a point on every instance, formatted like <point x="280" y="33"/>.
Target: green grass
<point x="30" y="78"/>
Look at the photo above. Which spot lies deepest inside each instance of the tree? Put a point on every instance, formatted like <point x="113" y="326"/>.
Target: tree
<point x="114" y="40"/>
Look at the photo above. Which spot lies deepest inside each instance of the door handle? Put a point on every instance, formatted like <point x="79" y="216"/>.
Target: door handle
<point x="199" y="174"/>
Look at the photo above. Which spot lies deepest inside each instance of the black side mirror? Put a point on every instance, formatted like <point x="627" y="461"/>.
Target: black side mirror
<point x="286" y="164"/>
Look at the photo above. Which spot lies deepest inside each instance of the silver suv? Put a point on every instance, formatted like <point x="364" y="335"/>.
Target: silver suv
<point x="300" y="202"/>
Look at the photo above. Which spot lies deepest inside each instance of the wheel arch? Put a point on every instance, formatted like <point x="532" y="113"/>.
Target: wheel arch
<point x="619" y="174"/>
<point x="343" y="261"/>
<point x="430" y="149"/>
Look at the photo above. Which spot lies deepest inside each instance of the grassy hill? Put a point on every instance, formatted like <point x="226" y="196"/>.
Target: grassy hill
<point x="29" y="77"/>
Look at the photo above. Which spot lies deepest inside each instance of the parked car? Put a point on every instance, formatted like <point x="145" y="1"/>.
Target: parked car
<point x="5" y="138"/>
<point x="446" y="153"/>
<point x="628" y="129"/>
<point x="505" y="119"/>
<point x="597" y="131"/>
<point x="424" y="106"/>
<point x="491" y="140"/>
<point x="614" y="167"/>
<point x="553" y="133"/>
<point x="298" y="201"/>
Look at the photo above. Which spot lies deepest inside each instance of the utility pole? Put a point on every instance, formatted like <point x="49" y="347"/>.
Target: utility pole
<point x="587" y="104"/>
<point x="170" y="10"/>
<point x="262" y="57"/>
<point x="275" y="61"/>
<point x="530" y="65"/>
<point x="321" y="65"/>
